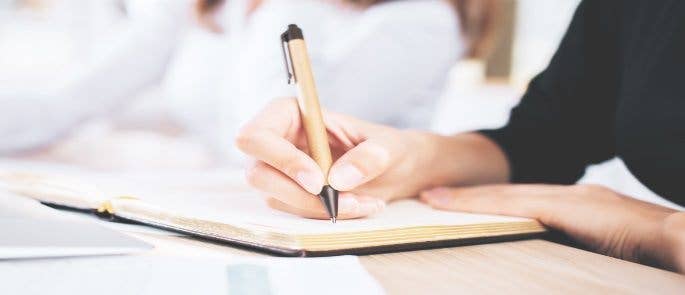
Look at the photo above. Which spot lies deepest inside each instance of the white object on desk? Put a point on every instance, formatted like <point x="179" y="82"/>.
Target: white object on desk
<point x="143" y="275"/>
<point x="36" y="238"/>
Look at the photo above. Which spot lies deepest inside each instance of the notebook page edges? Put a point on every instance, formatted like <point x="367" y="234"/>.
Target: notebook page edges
<point x="234" y="231"/>
<point x="248" y="209"/>
<point x="243" y="216"/>
<point x="244" y="232"/>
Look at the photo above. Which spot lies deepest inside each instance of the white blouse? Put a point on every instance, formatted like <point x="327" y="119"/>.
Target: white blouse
<point x="387" y="64"/>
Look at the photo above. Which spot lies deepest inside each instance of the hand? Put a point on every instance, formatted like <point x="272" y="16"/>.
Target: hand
<point x="372" y="163"/>
<point x="597" y="217"/>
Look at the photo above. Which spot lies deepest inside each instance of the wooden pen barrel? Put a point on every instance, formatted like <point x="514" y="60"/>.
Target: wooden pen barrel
<point x="310" y="110"/>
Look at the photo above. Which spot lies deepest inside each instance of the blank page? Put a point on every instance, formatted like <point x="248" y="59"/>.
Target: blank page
<point x="241" y="206"/>
<point x="222" y="196"/>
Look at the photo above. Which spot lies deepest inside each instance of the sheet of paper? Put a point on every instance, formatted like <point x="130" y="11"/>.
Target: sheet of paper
<point x="51" y="183"/>
<point x="13" y="205"/>
<point x="242" y="206"/>
<point x="162" y="275"/>
<point x="222" y="196"/>
<point x="249" y="210"/>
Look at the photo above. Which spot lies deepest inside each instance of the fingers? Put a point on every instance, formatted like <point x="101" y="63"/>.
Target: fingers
<point x="292" y="178"/>
<point x="351" y="207"/>
<point x="272" y="182"/>
<point x="533" y="201"/>
<point x="265" y="138"/>
<point x="359" y="165"/>
<point x="285" y="157"/>
<point x="286" y="195"/>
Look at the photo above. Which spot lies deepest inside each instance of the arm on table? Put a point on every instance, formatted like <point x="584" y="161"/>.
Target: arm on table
<point x="563" y="124"/>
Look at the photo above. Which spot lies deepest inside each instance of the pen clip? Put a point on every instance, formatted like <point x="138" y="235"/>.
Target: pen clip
<point x="290" y="72"/>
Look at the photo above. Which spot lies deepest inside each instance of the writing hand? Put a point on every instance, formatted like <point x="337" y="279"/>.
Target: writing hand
<point x="372" y="163"/>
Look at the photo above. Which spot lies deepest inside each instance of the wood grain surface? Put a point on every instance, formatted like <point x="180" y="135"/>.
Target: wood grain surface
<point x="528" y="266"/>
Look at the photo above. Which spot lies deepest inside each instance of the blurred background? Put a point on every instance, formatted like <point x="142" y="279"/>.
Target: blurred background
<point x="40" y="37"/>
<point x="40" y="40"/>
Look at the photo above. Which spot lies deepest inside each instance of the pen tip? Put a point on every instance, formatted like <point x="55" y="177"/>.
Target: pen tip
<point x="329" y="197"/>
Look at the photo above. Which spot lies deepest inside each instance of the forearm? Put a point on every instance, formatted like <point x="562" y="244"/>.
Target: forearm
<point x="135" y="62"/>
<point x="463" y="159"/>
<point x="25" y="123"/>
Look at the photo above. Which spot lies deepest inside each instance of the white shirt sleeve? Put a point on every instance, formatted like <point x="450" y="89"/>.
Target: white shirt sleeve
<point x="128" y="64"/>
<point x="391" y="64"/>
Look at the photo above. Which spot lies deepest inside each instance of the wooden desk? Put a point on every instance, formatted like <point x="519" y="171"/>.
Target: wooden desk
<point x="530" y="266"/>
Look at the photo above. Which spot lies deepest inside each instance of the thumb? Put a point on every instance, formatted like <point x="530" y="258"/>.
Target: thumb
<point x="359" y="165"/>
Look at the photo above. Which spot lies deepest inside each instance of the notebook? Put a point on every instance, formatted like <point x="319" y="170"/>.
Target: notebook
<point x="219" y="206"/>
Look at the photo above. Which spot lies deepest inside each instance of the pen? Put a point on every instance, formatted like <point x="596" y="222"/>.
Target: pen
<point x="299" y="71"/>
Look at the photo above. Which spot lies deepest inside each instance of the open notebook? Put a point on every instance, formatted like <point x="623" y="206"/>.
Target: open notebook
<point x="218" y="206"/>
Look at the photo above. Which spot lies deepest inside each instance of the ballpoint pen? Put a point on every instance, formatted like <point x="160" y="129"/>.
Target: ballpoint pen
<point x="299" y="72"/>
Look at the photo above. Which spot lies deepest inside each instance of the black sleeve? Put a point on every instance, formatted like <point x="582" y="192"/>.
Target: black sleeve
<point x="565" y="121"/>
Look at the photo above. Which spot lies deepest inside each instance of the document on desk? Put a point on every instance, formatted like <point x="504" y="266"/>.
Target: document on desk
<point x="219" y="207"/>
<point x="48" y="237"/>
<point x="161" y="275"/>
<point x="31" y="230"/>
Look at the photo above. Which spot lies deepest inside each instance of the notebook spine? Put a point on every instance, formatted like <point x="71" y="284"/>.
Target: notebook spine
<point x="106" y="208"/>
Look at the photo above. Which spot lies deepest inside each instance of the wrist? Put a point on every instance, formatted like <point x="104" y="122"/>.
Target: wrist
<point x="673" y="240"/>
<point x="426" y="158"/>
<point x="464" y="159"/>
<point x="660" y="240"/>
<point x="473" y="159"/>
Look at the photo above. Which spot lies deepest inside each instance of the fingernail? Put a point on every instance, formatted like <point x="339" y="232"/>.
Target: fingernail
<point x="440" y="201"/>
<point x="425" y="195"/>
<point x="369" y="205"/>
<point x="438" y="191"/>
<point x="380" y="204"/>
<point x="345" y="177"/>
<point x="368" y="208"/>
<point x="309" y="181"/>
<point x="348" y="206"/>
<point x="437" y="197"/>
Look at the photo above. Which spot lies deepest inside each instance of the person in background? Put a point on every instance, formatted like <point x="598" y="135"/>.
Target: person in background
<point x="217" y="71"/>
<point x="613" y="88"/>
